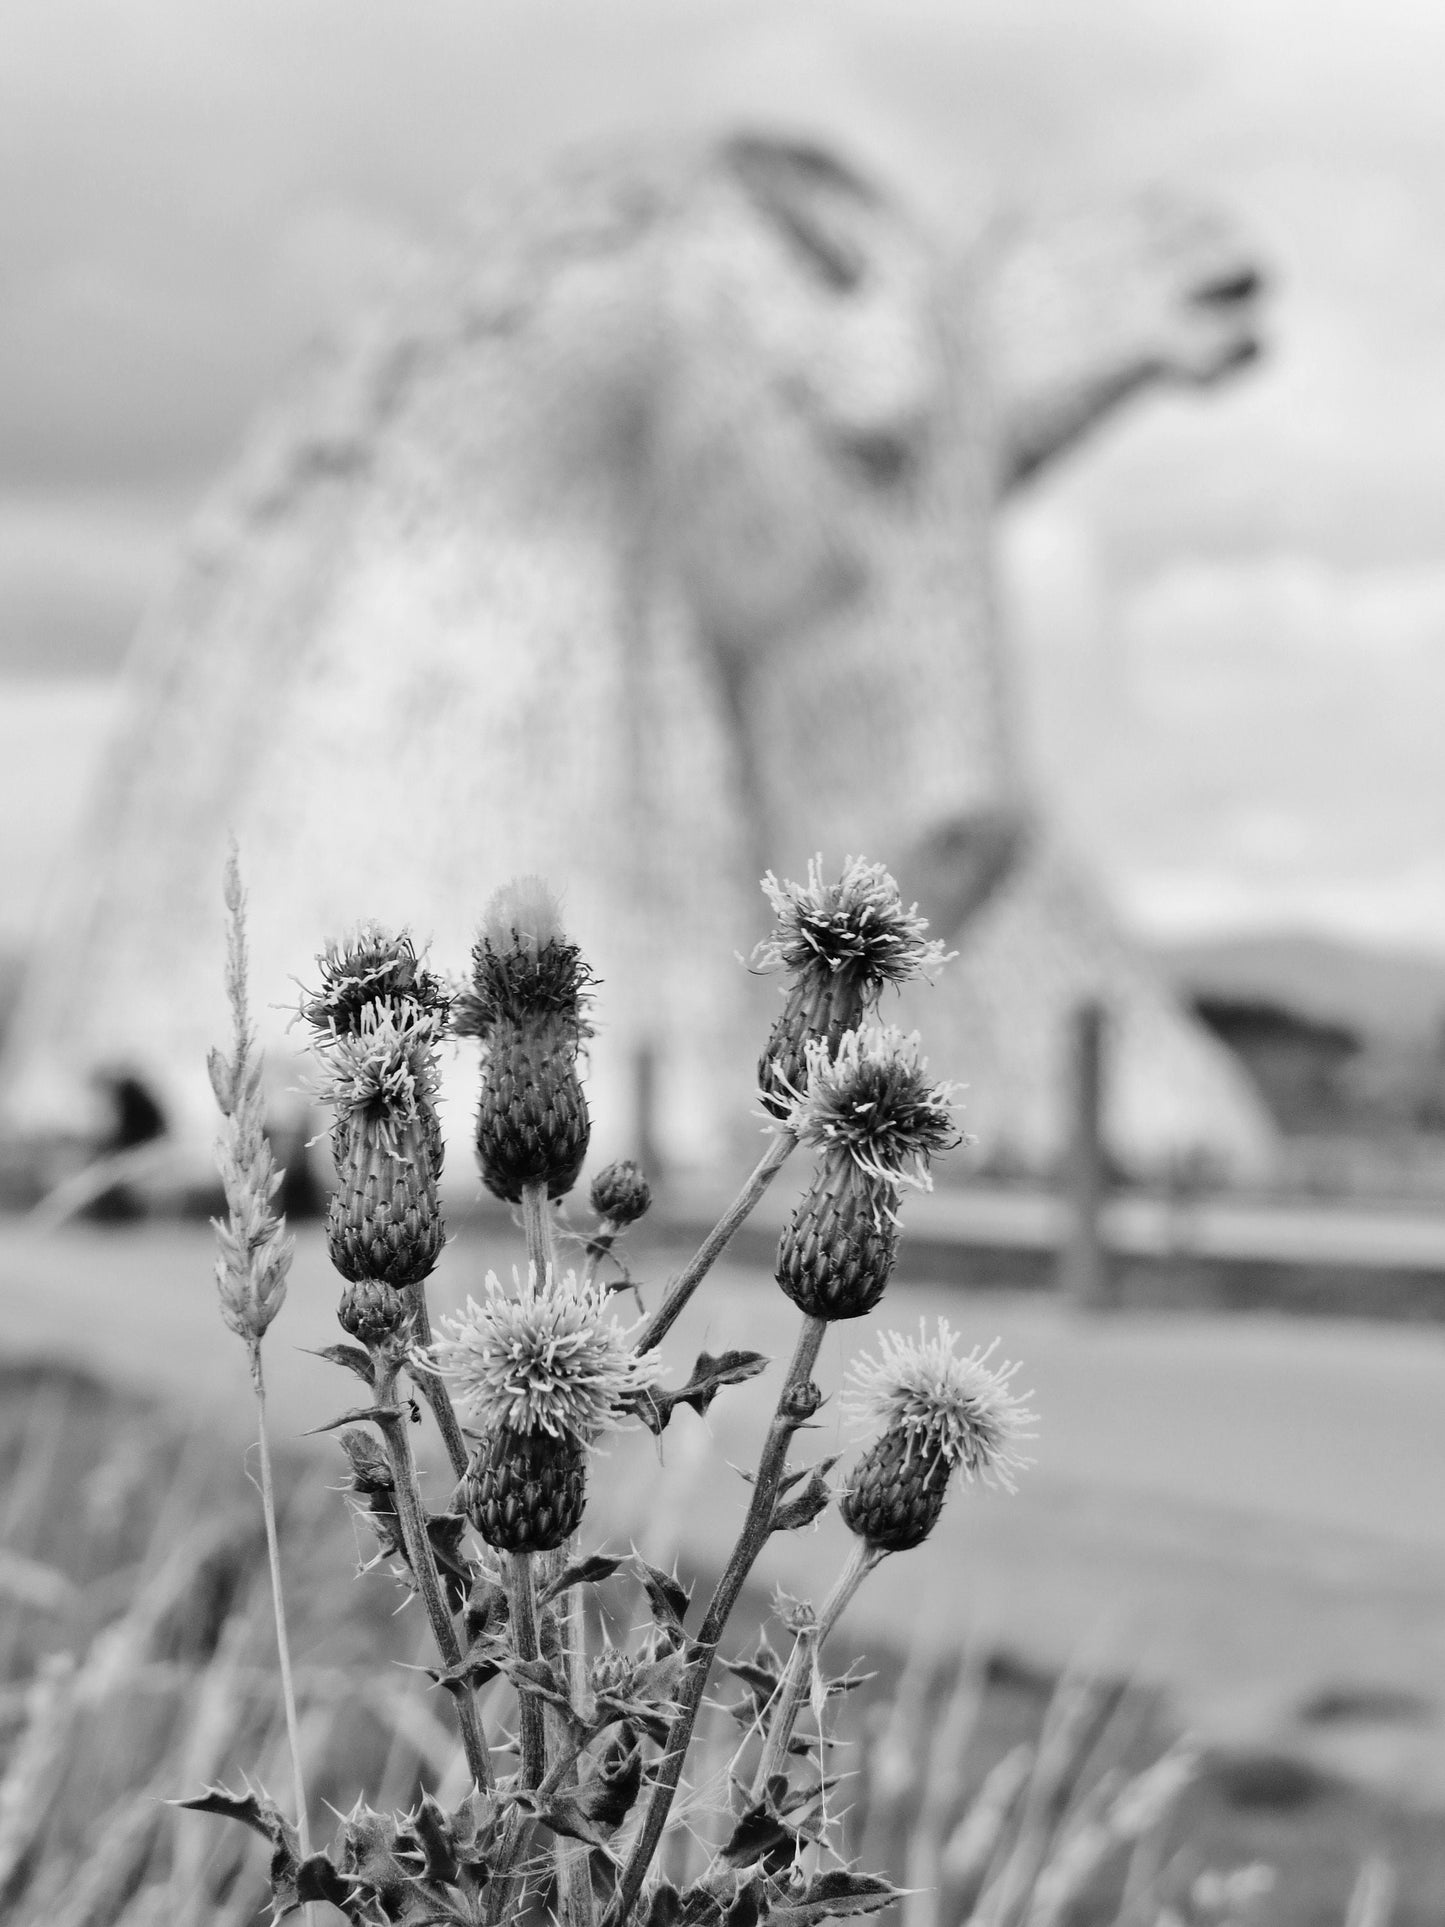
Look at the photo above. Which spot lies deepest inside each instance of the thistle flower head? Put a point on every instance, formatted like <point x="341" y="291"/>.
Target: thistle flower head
<point x="370" y="966"/>
<point x="855" y="929"/>
<point x="952" y="1405"/>
<point x="546" y="1358"/>
<point x="523" y="912"/>
<point x="382" y="1076"/>
<point x="524" y="971"/>
<point x="873" y="1106"/>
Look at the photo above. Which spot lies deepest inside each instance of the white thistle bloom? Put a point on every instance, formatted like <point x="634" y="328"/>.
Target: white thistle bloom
<point x="954" y="1405"/>
<point x="872" y="1104"/>
<point x="546" y="1358"/>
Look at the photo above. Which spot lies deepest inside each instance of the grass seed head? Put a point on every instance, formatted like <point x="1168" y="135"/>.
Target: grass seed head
<point x="254" y="1252"/>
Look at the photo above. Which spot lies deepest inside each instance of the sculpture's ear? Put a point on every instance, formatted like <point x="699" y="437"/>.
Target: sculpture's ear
<point x="811" y="197"/>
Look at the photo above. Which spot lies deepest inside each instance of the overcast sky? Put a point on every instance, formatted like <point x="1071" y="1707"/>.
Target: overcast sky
<point x="1232" y="611"/>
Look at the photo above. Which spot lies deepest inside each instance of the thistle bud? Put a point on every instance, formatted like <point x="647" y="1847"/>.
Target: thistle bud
<point x="372" y="1312"/>
<point x="525" y="1491"/>
<point x="895" y="1493"/>
<point x="875" y="1120"/>
<point x="938" y="1412"/>
<point x="525" y="1003"/>
<point x="384" y="1220"/>
<point x="611" y="1672"/>
<point x="838" y="1248"/>
<point x="840" y="944"/>
<point x="379" y="1051"/>
<point x="620" y="1193"/>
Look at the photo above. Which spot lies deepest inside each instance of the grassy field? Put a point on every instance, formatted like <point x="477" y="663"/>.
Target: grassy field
<point x="1240" y="1516"/>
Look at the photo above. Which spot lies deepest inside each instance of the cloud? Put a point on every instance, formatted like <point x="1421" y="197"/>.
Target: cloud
<point x="1250" y="742"/>
<point x="52" y="735"/>
<point x="75" y="574"/>
<point x="1230" y="607"/>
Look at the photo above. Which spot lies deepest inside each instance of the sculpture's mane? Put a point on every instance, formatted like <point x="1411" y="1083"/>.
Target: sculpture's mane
<point x="485" y="277"/>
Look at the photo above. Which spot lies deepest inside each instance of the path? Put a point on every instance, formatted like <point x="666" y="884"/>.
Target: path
<point x="1249" y="1507"/>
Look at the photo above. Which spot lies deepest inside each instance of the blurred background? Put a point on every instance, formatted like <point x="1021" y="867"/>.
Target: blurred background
<point x="1223" y="615"/>
<point x="1225" y="624"/>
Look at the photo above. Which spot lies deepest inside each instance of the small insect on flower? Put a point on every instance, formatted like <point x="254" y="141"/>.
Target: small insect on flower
<point x="371" y="966"/>
<point x="873" y="1105"/>
<point x="547" y="1358"/>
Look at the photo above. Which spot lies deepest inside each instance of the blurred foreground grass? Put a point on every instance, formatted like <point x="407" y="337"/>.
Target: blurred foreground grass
<point x="1246" y="1508"/>
<point x="138" y="1664"/>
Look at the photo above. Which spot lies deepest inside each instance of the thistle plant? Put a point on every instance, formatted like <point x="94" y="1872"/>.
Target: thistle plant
<point x="573" y="1788"/>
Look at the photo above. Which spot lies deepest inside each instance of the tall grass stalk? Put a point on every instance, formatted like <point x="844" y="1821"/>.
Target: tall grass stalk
<point x="278" y="1606"/>
<point x="253" y="1264"/>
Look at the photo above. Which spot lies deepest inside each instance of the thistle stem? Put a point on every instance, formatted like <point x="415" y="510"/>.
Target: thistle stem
<point x="433" y="1388"/>
<point x="412" y="1518"/>
<point x="797" y="1402"/>
<point x="598" y="1246"/>
<point x="716" y="1241"/>
<point x="574" y="1873"/>
<point x="537" y="1223"/>
<point x="574" y="1880"/>
<point x="806" y="1646"/>
<point x="283" y="1643"/>
<point x="523" y="1599"/>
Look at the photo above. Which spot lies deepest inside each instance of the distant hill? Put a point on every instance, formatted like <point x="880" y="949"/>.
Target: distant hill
<point x="1387" y="995"/>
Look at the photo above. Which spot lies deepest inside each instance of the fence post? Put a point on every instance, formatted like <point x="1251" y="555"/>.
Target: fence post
<point x="1084" y="1271"/>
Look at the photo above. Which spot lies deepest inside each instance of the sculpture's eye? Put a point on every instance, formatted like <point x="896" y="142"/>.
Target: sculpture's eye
<point x="1230" y="289"/>
<point x="884" y="459"/>
<point x="813" y="200"/>
<point x="831" y="256"/>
